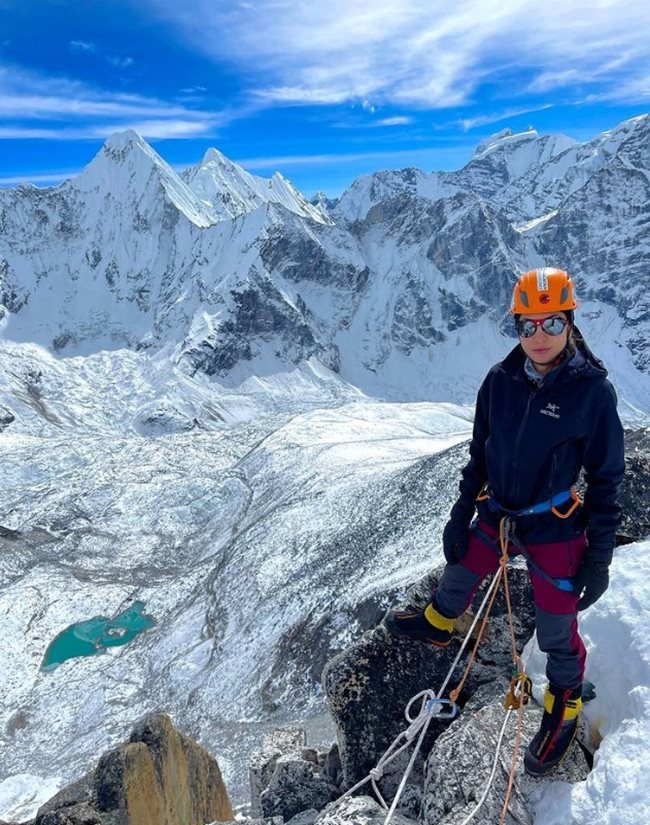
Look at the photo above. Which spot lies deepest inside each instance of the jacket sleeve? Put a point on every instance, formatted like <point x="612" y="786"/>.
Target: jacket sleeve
<point x="604" y="463"/>
<point x="474" y="474"/>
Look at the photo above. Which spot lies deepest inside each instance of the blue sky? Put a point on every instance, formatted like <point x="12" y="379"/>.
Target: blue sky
<point x="321" y="91"/>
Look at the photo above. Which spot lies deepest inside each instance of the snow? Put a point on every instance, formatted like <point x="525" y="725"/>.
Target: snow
<point x="22" y="794"/>
<point x="618" y="663"/>
<point x="228" y="190"/>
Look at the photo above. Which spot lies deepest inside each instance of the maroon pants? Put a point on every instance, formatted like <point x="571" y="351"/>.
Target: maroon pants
<point x="556" y="614"/>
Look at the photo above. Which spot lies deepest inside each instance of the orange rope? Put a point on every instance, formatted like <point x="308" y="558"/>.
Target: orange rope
<point x="515" y="754"/>
<point x="502" y="574"/>
<point x="455" y="693"/>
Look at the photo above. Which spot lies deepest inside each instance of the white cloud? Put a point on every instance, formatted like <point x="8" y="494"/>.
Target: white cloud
<point x="82" y="46"/>
<point x="494" y="117"/>
<point x="120" y="62"/>
<point x="425" y="53"/>
<point x="150" y="129"/>
<point x="33" y="106"/>
<point x="398" y="120"/>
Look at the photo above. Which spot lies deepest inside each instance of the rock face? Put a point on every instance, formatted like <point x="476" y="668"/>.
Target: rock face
<point x="160" y="777"/>
<point x="369" y="685"/>
<point x="459" y="765"/>
<point x="288" y="778"/>
<point x="635" y="494"/>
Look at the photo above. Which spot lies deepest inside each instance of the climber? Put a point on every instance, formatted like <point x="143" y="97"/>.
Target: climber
<point x="542" y="414"/>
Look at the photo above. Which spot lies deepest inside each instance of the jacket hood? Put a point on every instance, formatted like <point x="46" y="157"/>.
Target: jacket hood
<point x="582" y="363"/>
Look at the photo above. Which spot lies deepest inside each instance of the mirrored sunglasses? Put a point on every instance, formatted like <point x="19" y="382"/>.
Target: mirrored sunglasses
<point x="551" y="326"/>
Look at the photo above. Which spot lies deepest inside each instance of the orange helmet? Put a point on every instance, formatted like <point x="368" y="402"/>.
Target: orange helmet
<point x="543" y="290"/>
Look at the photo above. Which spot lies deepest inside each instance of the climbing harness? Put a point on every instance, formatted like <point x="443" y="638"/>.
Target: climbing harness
<point x="565" y="584"/>
<point x="550" y="505"/>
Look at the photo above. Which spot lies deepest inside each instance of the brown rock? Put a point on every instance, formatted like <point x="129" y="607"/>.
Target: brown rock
<point x="161" y="778"/>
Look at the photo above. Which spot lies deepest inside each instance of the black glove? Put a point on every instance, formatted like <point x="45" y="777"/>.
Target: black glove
<point x="593" y="578"/>
<point x="455" y="538"/>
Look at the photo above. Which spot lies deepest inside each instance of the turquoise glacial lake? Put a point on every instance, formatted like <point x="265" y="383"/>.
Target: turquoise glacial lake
<point x="95" y="635"/>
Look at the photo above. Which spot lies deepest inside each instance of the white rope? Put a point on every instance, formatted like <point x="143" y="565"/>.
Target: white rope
<point x="419" y="724"/>
<point x="486" y="790"/>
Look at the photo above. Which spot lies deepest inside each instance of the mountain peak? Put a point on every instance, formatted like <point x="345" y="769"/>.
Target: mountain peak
<point x="505" y="136"/>
<point x="215" y="156"/>
<point x="121" y="140"/>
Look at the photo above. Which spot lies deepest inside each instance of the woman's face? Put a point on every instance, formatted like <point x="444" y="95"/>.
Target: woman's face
<point x="542" y="348"/>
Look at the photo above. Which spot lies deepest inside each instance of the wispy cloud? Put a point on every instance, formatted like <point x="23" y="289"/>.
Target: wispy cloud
<point x="406" y="157"/>
<point x="151" y="129"/>
<point x="37" y="107"/>
<point x="495" y="117"/>
<point x="45" y="179"/>
<point x="426" y="53"/>
<point x="398" y="120"/>
<point x="82" y="46"/>
<point x="91" y="48"/>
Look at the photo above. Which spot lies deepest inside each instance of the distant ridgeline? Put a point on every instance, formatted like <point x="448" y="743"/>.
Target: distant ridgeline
<point x="95" y="635"/>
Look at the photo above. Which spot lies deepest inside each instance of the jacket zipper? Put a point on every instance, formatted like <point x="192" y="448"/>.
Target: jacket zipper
<point x="520" y="433"/>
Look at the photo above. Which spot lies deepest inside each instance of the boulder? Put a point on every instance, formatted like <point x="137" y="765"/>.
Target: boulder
<point x="359" y="810"/>
<point x="160" y="777"/>
<point x="281" y="741"/>
<point x="289" y="779"/>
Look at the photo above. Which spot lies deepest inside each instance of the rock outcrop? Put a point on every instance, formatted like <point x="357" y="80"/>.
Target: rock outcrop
<point x="458" y="768"/>
<point x="160" y="777"/>
<point x="635" y="493"/>
<point x="289" y="779"/>
<point x="369" y="685"/>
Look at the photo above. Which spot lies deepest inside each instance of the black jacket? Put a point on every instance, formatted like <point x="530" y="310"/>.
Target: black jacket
<point x="530" y="443"/>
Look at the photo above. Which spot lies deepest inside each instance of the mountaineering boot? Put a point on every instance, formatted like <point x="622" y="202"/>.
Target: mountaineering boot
<point x="557" y="731"/>
<point x="426" y="625"/>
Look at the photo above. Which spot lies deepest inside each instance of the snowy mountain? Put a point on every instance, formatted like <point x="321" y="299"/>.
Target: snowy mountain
<point x="229" y="191"/>
<point x="197" y="386"/>
<point x="416" y="269"/>
<point x="152" y="260"/>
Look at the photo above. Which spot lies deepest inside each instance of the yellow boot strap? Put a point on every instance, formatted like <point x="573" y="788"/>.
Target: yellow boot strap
<point x="572" y="706"/>
<point x="437" y="619"/>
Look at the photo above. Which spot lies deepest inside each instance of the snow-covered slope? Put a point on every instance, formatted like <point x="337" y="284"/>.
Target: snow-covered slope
<point x="250" y="543"/>
<point x="264" y="528"/>
<point x="228" y="190"/>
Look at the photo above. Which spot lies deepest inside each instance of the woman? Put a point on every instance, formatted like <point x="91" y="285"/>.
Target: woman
<point x="543" y="414"/>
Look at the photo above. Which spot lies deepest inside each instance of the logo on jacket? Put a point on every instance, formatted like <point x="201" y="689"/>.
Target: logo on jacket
<point x="551" y="409"/>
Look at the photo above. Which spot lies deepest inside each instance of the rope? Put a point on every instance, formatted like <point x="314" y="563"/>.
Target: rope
<point x="422" y="720"/>
<point x="431" y="701"/>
